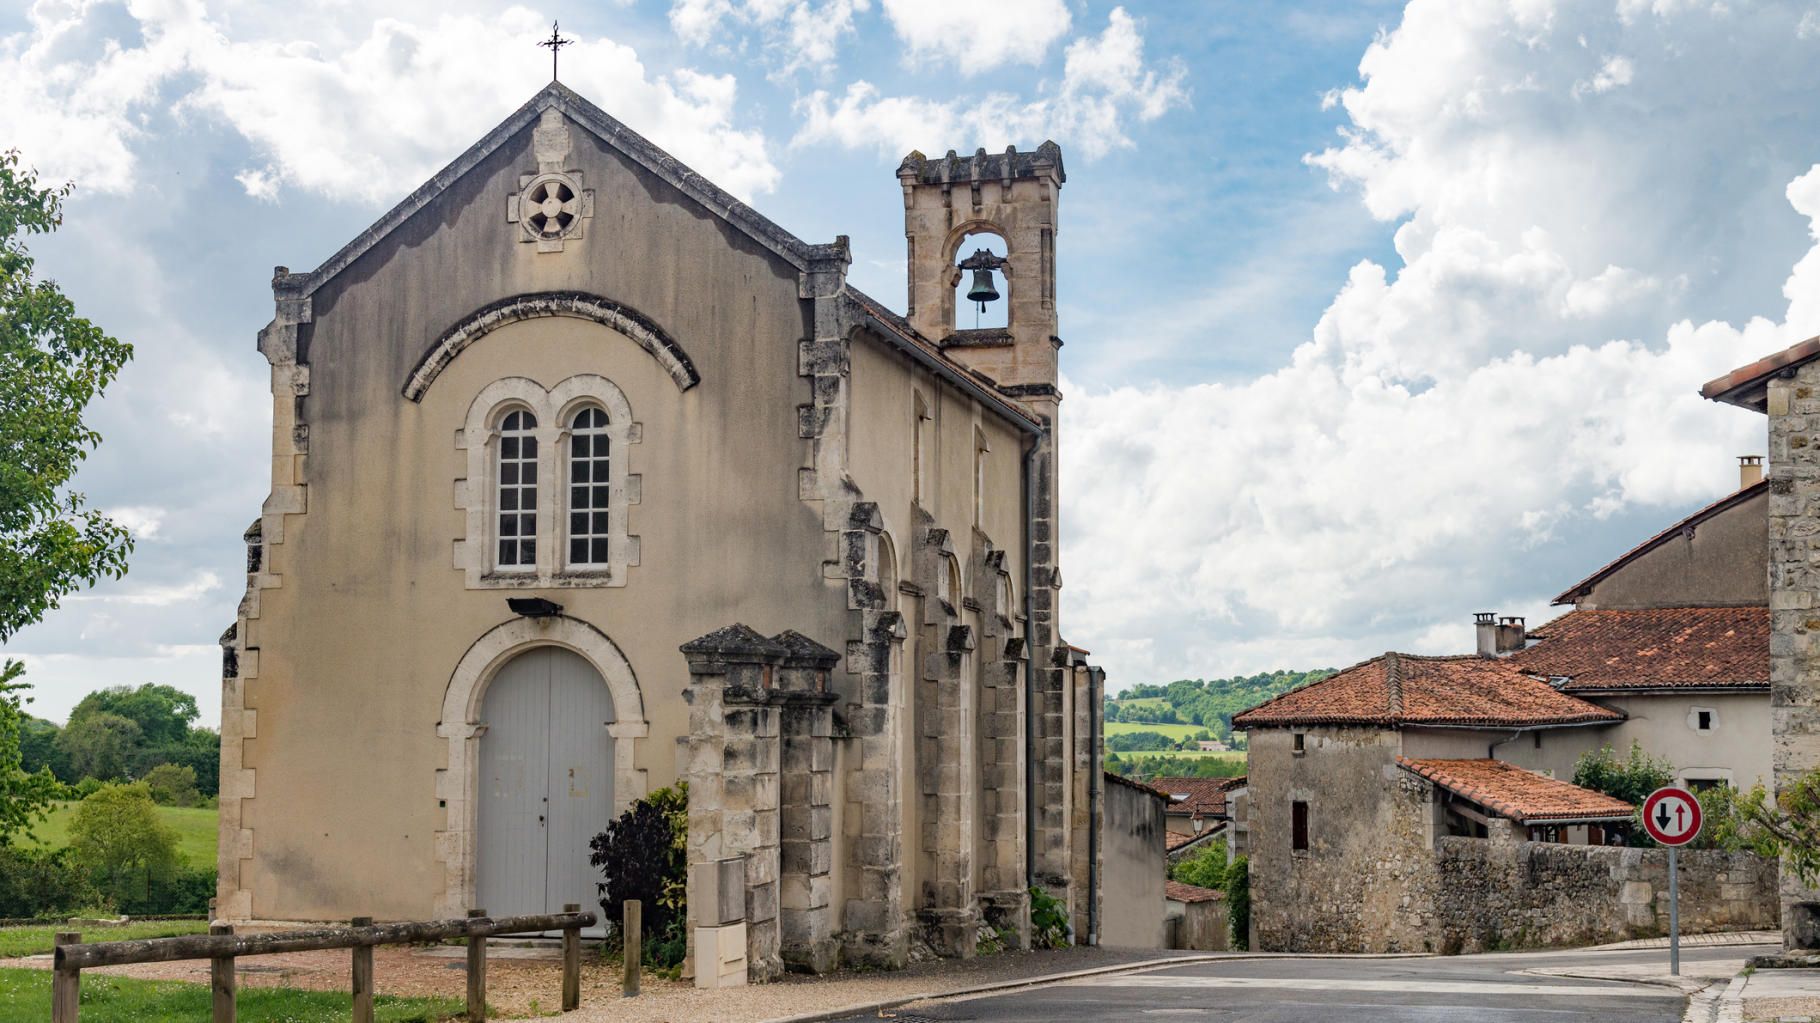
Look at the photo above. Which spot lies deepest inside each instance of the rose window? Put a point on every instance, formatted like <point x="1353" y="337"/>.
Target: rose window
<point x="551" y="207"/>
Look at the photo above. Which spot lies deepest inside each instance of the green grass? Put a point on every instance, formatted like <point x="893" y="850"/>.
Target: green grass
<point x="195" y="826"/>
<point x="26" y="995"/>
<point x="31" y="941"/>
<point x="1175" y="732"/>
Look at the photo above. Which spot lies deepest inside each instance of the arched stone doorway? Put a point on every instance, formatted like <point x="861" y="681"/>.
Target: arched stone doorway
<point x="464" y="727"/>
<point x="546" y="782"/>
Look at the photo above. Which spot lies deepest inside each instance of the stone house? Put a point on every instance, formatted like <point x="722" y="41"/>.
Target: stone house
<point x="1380" y="799"/>
<point x="588" y="479"/>
<point x="1198" y="919"/>
<point x="1785" y="387"/>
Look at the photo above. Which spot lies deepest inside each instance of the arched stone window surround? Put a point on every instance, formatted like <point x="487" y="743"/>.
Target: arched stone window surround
<point x="887" y="570"/>
<point x="951" y="256"/>
<point x="577" y="304"/>
<point x="458" y="784"/>
<point x="479" y="437"/>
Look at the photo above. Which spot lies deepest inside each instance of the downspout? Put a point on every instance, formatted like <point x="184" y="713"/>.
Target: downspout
<point x="1029" y="670"/>
<point x="1096" y="684"/>
<point x="1491" y="751"/>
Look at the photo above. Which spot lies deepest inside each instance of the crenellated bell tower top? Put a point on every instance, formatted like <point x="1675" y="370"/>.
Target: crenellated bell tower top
<point x="951" y="205"/>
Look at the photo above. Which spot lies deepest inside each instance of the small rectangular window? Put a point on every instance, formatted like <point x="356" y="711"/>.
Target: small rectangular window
<point x="1301" y="742"/>
<point x="1298" y="815"/>
<point x="1705" y="721"/>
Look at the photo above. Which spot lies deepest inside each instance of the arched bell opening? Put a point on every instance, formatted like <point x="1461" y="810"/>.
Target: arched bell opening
<point x="982" y="282"/>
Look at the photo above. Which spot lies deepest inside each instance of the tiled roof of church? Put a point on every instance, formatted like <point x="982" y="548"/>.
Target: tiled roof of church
<point x="1403" y="689"/>
<point x="1516" y="794"/>
<point x="1653" y="648"/>
<point x="898" y="330"/>
<point x="1681" y="528"/>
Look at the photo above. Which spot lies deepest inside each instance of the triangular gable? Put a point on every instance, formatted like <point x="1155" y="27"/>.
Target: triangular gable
<point x="609" y="130"/>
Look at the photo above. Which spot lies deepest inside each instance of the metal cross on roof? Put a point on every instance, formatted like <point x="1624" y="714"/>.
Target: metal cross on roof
<point x="556" y="42"/>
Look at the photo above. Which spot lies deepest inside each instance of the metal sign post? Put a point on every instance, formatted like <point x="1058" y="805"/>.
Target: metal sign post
<point x="1671" y="816"/>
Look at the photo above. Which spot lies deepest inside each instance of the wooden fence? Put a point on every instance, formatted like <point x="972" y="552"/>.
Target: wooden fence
<point x="221" y="946"/>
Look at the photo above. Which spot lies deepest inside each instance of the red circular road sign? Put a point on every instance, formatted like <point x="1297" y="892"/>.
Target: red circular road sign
<point x="1671" y="815"/>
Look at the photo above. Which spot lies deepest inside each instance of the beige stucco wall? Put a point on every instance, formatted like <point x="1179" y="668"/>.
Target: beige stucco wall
<point x="1722" y="563"/>
<point x="1134" y="912"/>
<point x="358" y="641"/>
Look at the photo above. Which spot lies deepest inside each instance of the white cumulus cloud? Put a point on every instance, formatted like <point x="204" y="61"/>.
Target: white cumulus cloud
<point x="354" y="107"/>
<point x="1106" y="84"/>
<point x="979" y="37"/>
<point x="1582" y="241"/>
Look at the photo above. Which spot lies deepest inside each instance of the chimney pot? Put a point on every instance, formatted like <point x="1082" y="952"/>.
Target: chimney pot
<point x="1750" y="470"/>
<point x="1510" y="634"/>
<point x="1485" y="626"/>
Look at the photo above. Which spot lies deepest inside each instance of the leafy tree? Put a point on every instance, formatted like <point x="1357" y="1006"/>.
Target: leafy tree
<point x="38" y="748"/>
<point x="1125" y="742"/>
<point x="1787" y="826"/>
<point x="52" y="364"/>
<point x="164" y="714"/>
<point x="172" y="785"/>
<point x="1206" y="867"/>
<point x="117" y="835"/>
<point x="101" y="745"/>
<point x="1631" y="779"/>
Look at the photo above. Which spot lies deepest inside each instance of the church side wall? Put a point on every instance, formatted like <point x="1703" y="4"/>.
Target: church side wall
<point x="358" y="644"/>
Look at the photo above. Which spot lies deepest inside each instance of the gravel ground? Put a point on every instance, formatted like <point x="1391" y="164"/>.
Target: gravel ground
<point x="525" y="982"/>
<point x="1781" y="1008"/>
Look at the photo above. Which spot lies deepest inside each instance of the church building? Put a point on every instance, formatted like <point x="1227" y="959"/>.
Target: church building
<point x="589" y="479"/>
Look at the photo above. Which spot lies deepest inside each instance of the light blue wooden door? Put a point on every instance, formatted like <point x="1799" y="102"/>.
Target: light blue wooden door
<point x="546" y="783"/>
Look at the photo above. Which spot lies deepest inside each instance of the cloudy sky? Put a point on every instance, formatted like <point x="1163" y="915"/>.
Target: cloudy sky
<point x="1377" y="314"/>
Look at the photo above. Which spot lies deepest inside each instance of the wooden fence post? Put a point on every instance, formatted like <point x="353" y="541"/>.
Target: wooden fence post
<point x="477" y="973"/>
<point x="221" y="979"/>
<point x="363" y="976"/>
<point x="633" y="931"/>
<point x="66" y="985"/>
<point x="571" y="962"/>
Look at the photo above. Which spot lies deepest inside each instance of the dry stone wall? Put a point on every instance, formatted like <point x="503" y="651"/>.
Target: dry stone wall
<point x="1492" y="895"/>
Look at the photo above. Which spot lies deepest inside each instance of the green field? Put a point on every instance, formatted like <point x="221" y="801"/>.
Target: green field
<point x="1175" y="732"/>
<point x="1237" y="756"/>
<point x="1143" y="701"/>
<point x="195" y="826"/>
<point x="26" y="995"/>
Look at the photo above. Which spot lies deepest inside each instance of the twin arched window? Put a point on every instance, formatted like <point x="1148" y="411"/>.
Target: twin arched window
<point x="588" y="468"/>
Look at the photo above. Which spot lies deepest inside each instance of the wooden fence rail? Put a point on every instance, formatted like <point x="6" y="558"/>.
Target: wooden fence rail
<point x="221" y="947"/>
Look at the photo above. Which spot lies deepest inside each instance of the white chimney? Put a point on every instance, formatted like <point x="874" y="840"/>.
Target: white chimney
<point x="1485" y="625"/>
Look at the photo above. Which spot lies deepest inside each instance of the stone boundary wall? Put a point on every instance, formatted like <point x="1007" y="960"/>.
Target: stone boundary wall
<point x="1491" y="896"/>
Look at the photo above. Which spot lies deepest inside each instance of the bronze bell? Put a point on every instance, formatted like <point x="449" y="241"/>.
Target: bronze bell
<point x="983" y="290"/>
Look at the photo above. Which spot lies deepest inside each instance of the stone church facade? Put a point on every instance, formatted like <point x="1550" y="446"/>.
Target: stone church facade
<point x="588" y="479"/>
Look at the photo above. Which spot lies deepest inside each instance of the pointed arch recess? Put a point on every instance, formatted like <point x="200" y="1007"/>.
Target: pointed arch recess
<point x="577" y="304"/>
<point x="458" y="785"/>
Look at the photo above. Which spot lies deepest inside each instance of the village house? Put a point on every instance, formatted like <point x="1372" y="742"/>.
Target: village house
<point x="588" y="479"/>
<point x="1785" y="387"/>
<point x="1399" y="805"/>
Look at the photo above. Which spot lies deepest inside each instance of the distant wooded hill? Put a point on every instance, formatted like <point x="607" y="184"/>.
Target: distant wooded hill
<point x="1180" y="711"/>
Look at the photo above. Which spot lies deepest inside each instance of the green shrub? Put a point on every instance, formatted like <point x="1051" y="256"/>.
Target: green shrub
<point x="1205" y="867"/>
<point x="644" y="855"/>
<point x="172" y="785"/>
<point x="1631" y="779"/>
<point x="1048" y="920"/>
<point x="117" y="836"/>
<point x="1238" y="902"/>
<point x="43" y="883"/>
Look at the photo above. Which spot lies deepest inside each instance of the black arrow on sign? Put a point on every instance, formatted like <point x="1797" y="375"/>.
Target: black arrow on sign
<point x="1662" y="815"/>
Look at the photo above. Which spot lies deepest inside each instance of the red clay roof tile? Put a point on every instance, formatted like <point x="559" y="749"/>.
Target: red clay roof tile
<point x="1176" y="891"/>
<point x="1516" y="794"/>
<point x="1396" y="690"/>
<point x="1653" y="648"/>
<point x="1189" y="796"/>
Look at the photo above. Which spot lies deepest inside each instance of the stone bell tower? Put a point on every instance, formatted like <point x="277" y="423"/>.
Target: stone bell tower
<point x="1012" y="195"/>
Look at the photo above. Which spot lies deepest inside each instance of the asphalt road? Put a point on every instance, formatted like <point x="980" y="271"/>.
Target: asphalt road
<point x="1459" y="989"/>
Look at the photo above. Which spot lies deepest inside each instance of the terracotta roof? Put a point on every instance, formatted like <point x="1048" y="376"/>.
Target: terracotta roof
<point x="1653" y="648"/>
<point x="1173" y="840"/>
<point x="1402" y="689"/>
<point x="1176" y="891"/>
<point x="1747" y="386"/>
<point x="1515" y="794"/>
<point x="1189" y="796"/>
<point x="1683" y="527"/>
